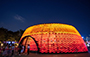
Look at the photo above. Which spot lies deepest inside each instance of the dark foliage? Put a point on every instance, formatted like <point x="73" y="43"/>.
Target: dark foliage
<point x="6" y="35"/>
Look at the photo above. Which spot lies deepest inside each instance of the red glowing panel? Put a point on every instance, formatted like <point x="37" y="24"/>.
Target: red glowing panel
<point x="54" y="38"/>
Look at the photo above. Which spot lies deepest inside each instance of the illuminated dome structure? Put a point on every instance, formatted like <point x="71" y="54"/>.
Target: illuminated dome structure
<point x="53" y="38"/>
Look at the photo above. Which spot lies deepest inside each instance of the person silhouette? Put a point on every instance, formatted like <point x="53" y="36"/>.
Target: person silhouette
<point x="28" y="47"/>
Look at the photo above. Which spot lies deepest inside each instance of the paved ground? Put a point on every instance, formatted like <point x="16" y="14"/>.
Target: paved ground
<point x="54" y="55"/>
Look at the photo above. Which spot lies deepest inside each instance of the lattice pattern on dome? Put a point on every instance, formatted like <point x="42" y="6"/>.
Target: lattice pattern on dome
<point x="54" y="27"/>
<point x="55" y="38"/>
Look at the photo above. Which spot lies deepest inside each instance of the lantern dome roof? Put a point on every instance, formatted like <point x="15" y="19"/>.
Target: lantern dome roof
<point x="51" y="28"/>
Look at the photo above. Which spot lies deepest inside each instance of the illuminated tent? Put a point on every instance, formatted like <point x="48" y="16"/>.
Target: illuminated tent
<point x="53" y="38"/>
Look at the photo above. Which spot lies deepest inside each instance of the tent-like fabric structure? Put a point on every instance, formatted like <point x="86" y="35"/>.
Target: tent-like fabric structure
<point x="53" y="38"/>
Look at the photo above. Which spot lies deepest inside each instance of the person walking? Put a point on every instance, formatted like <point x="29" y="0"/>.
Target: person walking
<point x="28" y="47"/>
<point x="13" y="48"/>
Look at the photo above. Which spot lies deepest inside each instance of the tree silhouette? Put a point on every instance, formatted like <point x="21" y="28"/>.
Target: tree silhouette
<point x="6" y="35"/>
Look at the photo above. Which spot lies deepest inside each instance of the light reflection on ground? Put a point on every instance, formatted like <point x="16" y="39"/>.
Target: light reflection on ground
<point x="55" y="55"/>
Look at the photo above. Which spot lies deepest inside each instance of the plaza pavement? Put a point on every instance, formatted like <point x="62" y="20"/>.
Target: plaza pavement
<point x="56" y="55"/>
<point x="53" y="55"/>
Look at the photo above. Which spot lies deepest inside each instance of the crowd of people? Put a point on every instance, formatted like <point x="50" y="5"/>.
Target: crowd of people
<point x="9" y="50"/>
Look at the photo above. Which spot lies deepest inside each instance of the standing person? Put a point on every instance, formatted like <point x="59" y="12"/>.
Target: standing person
<point x="13" y="48"/>
<point x="9" y="50"/>
<point x="22" y="50"/>
<point x="28" y="47"/>
<point x="20" y="47"/>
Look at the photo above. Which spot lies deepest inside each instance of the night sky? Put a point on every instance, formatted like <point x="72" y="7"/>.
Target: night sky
<point x="21" y="14"/>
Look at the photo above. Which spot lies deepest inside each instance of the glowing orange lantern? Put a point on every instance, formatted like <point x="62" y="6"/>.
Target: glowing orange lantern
<point x="53" y="38"/>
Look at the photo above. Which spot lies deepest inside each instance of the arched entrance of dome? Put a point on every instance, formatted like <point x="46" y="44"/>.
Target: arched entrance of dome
<point x="29" y="40"/>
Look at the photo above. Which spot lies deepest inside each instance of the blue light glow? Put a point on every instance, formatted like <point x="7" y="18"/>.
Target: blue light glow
<point x="13" y="42"/>
<point x="82" y="37"/>
<point x="9" y="42"/>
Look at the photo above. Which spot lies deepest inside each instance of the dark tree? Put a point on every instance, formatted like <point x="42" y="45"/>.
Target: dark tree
<point x="6" y="35"/>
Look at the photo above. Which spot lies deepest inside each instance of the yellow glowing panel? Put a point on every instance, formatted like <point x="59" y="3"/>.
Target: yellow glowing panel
<point x="47" y="28"/>
<point x="54" y="37"/>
